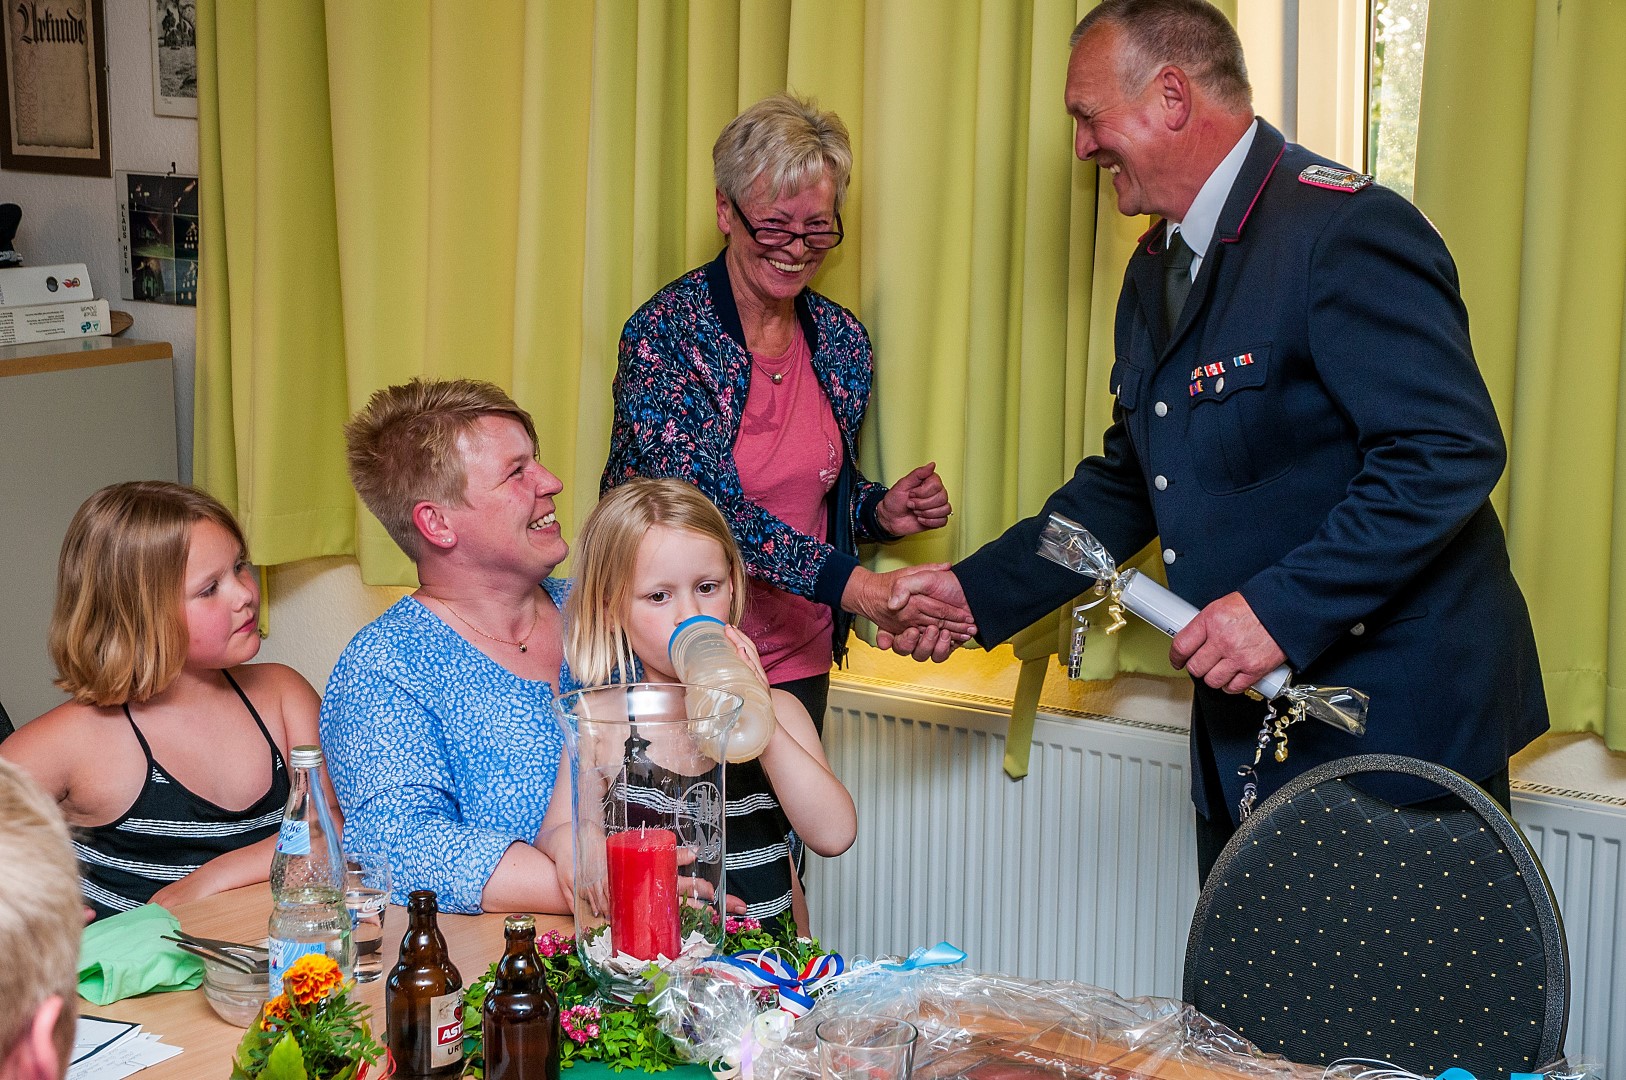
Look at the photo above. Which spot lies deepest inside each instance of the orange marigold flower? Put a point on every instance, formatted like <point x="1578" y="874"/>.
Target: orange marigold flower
<point x="275" y="1009"/>
<point x="312" y="977"/>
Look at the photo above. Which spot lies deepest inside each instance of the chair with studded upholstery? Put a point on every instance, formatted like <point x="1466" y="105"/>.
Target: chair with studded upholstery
<point x="1336" y="925"/>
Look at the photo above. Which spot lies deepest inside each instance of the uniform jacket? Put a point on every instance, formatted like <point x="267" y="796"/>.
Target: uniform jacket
<point x="680" y="387"/>
<point x="1315" y="434"/>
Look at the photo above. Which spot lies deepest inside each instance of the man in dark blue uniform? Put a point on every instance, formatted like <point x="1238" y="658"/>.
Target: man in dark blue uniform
<point x="1299" y="421"/>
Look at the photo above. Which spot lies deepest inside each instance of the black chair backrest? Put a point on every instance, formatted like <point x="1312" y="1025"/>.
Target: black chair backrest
<point x="1336" y="925"/>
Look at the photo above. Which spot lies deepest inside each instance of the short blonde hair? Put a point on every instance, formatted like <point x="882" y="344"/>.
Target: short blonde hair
<point x="41" y="909"/>
<point x="596" y="646"/>
<point x="402" y="447"/>
<point x="118" y="632"/>
<point x="788" y="140"/>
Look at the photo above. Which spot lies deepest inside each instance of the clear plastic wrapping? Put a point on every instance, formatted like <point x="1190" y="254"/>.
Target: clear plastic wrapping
<point x="995" y="1027"/>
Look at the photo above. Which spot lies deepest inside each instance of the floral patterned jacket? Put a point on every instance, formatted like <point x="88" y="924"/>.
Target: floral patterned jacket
<point x="680" y="387"/>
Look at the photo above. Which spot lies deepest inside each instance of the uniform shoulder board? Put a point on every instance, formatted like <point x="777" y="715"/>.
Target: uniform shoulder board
<point x="1325" y="176"/>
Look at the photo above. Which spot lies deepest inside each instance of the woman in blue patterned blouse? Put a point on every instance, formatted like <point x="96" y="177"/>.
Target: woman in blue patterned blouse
<point x="742" y="380"/>
<point x="438" y="718"/>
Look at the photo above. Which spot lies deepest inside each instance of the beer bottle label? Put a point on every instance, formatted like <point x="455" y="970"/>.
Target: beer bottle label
<point x="446" y="1019"/>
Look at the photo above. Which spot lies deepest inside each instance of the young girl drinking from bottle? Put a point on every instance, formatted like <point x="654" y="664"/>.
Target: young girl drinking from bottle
<point x="652" y="554"/>
<point x="169" y="759"/>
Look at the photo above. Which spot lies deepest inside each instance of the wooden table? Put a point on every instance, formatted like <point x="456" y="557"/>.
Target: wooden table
<point x="186" y="1020"/>
<point x="475" y="941"/>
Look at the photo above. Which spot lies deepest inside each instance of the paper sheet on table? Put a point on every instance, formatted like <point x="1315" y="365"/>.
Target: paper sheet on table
<point x="111" y="1049"/>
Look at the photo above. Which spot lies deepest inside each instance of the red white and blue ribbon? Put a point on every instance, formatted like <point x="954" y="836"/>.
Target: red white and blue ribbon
<point x="764" y="969"/>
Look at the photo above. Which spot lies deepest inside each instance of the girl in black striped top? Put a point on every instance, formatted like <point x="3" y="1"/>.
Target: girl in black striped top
<point x="652" y="554"/>
<point x="169" y="760"/>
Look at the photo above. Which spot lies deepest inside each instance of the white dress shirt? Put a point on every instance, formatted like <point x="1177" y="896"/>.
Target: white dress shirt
<point x="1203" y="217"/>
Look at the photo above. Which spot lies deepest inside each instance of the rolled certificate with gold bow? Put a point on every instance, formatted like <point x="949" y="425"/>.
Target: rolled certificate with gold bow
<point x="1067" y="543"/>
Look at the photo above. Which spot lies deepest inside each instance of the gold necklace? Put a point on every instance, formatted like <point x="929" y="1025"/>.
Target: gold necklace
<point x="536" y="614"/>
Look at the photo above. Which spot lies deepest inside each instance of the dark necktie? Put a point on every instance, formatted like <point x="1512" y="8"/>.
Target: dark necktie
<point x="1176" y="278"/>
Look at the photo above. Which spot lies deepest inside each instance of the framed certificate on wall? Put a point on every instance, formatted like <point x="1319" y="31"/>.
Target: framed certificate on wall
<point x="53" y="84"/>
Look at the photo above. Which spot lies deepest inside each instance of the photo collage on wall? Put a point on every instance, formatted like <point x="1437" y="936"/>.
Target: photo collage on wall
<point x="158" y="237"/>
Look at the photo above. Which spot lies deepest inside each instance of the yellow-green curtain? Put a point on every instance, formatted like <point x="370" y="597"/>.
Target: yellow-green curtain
<point x="489" y="190"/>
<point x="271" y="382"/>
<point x="1519" y="160"/>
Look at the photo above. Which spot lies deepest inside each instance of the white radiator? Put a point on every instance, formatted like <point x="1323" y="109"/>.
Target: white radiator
<point x="1580" y="841"/>
<point x="1086" y="870"/>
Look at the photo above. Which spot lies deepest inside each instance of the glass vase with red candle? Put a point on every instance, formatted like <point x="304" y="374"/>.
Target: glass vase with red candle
<point x="647" y="809"/>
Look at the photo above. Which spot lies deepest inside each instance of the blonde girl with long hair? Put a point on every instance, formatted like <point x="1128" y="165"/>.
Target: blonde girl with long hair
<point x="652" y="554"/>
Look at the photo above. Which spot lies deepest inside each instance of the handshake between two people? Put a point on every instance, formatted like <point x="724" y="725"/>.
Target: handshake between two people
<point x="920" y="611"/>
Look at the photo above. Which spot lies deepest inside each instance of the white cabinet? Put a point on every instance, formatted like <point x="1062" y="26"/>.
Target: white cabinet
<point x="74" y="416"/>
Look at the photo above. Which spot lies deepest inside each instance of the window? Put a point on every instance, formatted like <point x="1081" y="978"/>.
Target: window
<point x="1398" y="31"/>
<point x="1342" y="77"/>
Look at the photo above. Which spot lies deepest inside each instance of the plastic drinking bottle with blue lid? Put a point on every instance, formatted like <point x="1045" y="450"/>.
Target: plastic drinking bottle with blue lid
<point x="703" y="656"/>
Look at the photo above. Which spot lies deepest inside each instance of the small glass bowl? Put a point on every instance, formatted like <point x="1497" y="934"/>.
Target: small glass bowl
<point x="235" y="996"/>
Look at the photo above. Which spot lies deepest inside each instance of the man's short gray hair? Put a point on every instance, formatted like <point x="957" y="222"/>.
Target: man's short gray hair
<point x="787" y="139"/>
<point x="1193" y="35"/>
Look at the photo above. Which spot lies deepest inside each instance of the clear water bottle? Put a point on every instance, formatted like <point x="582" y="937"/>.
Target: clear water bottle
<point x="307" y="877"/>
<point x="702" y="655"/>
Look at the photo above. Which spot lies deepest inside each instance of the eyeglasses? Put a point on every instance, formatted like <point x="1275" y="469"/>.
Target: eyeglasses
<point x="778" y="238"/>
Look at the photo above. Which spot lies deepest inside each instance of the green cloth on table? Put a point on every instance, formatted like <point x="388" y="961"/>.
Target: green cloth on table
<point x="125" y="954"/>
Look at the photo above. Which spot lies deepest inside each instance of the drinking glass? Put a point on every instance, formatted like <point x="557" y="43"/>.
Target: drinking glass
<point x="866" y="1048"/>
<point x="366" y="894"/>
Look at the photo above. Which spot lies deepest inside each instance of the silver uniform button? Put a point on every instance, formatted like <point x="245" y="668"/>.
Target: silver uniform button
<point x="1161" y="483"/>
<point x="1161" y="408"/>
<point x="1219" y="384"/>
<point x="1358" y="629"/>
<point x="1168" y="555"/>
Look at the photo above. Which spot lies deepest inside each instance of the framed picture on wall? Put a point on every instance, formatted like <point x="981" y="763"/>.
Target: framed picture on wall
<point x="53" y="84"/>
<point x="174" y="57"/>
<point x="158" y="237"/>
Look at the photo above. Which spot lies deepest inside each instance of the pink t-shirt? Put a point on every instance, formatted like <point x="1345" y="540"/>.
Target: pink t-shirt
<point x="788" y="453"/>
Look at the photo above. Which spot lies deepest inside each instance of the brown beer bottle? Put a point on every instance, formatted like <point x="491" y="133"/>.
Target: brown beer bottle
<point x="423" y="999"/>
<point x="520" y="1019"/>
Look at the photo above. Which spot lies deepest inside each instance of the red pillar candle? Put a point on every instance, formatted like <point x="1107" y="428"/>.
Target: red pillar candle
<point x="643" y="892"/>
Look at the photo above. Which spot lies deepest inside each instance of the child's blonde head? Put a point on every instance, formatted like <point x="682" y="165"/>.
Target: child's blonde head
<point x="41" y="916"/>
<point x="607" y="551"/>
<point x="118" y="633"/>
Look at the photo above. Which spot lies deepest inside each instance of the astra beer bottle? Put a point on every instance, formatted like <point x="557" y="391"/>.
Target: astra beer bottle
<point x="423" y="999"/>
<point x="520" y="1018"/>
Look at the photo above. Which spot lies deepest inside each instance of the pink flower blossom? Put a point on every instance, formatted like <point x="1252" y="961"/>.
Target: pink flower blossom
<point x="580" y="1022"/>
<point x="551" y="944"/>
<point x="741" y="925"/>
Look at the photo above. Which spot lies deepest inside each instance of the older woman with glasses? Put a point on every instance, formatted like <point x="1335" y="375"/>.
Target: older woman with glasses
<point x="742" y="380"/>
